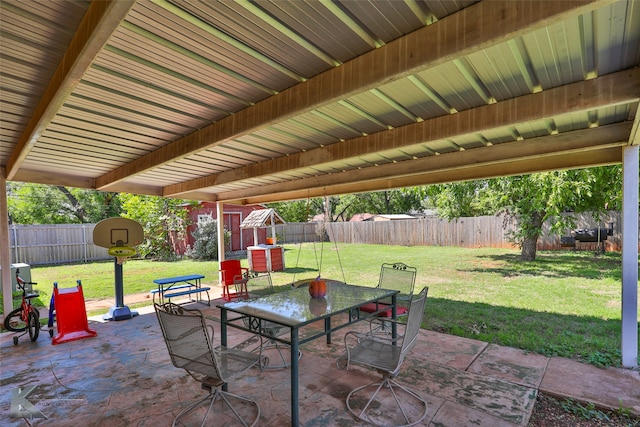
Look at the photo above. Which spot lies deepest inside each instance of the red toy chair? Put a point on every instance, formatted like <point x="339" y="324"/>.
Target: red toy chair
<point x="231" y="270"/>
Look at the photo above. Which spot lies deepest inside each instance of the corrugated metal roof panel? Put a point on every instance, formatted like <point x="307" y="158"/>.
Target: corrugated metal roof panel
<point x="382" y="109"/>
<point x="389" y="20"/>
<point x="330" y="126"/>
<point x="248" y="23"/>
<point x="321" y="27"/>
<point x="357" y="120"/>
<point x="452" y="87"/>
<point x="190" y="34"/>
<point x="190" y="80"/>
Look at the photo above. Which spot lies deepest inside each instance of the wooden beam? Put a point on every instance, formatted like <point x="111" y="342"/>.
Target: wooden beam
<point x="48" y="178"/>
<point x="634" y="136"/>
<point x="609" y="156"/>
<point x="99" y="22"/>
<point x="606" y="91"/>
<point x="532" y="152"/>
<point x="137" y="188"/>
<point x="477" y="27"/>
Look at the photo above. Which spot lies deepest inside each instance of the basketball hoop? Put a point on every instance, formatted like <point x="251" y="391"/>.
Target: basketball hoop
<point x="119" y="236"/>
<point x="122" y="253"/>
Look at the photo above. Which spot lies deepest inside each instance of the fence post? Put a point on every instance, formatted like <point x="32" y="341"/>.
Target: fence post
<point x="15" y="245"/>
<point x="85" y="249"/>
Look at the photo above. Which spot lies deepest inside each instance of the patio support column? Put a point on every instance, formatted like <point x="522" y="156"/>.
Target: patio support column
<point x="5" y="256"/>
<point x="220" y="216"/>
<point x="630" y="256"/>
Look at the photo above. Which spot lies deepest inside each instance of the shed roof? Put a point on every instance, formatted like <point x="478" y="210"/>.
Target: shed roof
<point x="262" y="218"/>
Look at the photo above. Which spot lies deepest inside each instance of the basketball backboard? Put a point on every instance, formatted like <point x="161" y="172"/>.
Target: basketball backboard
<point x="117" y="231"/>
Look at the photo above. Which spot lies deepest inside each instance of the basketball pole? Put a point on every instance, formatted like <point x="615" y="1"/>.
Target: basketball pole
<point x="119" y="311"/>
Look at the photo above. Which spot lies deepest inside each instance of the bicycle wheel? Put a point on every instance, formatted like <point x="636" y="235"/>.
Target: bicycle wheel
<point x="34" y="325"/>
<point x="13" y="322"/>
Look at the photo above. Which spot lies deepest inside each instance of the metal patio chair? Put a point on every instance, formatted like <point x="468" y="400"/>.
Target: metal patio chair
<point x="396" y="276"/>
<point x="386" y="356"/>
<point x="189" y="341"/>
<point x="254" y="285"/>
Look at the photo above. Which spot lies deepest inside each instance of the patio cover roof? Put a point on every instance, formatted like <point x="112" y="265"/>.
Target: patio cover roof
<point x="253" y="102"/>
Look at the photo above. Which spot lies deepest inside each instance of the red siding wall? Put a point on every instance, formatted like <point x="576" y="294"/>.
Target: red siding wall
<point x="233" y="217"/>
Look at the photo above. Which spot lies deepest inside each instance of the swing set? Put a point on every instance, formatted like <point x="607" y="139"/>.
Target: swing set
<point x="321" y="232"/>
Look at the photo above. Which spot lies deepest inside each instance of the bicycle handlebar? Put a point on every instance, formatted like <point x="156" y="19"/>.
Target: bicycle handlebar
<point x="21" y="281"/>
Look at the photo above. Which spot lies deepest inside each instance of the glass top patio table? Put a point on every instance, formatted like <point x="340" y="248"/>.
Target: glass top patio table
<point x="295" y="308"/>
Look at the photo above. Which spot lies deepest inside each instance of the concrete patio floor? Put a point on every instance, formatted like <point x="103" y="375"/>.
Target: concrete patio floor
<point x="123" y="377"/>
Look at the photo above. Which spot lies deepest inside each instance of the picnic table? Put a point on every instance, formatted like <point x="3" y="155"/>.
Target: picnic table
<point x="179" y="286"/>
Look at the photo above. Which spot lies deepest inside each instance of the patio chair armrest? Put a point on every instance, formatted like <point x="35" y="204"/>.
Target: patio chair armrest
<point x="376" y="322"/>
<point x="352" y="338"/>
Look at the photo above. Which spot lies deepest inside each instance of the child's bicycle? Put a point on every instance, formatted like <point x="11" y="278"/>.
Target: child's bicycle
<point x="25" y="318"/>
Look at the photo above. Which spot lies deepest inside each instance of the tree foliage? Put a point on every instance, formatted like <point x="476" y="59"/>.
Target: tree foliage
<point x="45" y="204"/>
<point x="343" y="208"/>
<point x="403" y="201"/>
<point x="297" y="210"/>
<point x="530" y="200"/>
<point x="164" y="221"/>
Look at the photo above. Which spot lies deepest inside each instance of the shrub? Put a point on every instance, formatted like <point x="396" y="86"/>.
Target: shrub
<point x="206" y="241"/>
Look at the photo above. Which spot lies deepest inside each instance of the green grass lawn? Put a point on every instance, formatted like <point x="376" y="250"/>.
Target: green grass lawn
<point x="565" y="303"/>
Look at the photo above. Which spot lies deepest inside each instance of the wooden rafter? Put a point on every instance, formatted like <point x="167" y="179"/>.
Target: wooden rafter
<point x="567" y="161"/>
<point x="612" y="89"/>
<point x="515" y="158"/>
<point x="474" y="28"/>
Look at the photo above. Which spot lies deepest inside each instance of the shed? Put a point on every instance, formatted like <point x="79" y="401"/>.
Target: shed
<point x="232" y="219"/>
<point x="266" y="256"/>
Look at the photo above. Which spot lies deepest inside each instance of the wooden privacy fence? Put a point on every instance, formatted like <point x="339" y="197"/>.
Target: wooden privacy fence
<point x="54" y="244"/>
<point x="474" y="232"/>
<point x="466" y="232"/>
<point x="73" y="243"/>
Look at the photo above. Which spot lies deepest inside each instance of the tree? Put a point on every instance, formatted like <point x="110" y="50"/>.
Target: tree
<point x="404" y="201"/>
<point x="45" y="204"/>
<point x="342" y="208"/>
<point x="163" y="220"/>
<point x="305" y="210"/>
<point x="529" y="200"/>
<point x="295" y="211"/>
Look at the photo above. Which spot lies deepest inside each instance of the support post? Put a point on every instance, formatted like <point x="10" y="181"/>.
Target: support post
<point x="5" y="256"/>
<point x="220" y="216"/>
<point x="630" y="256"/>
